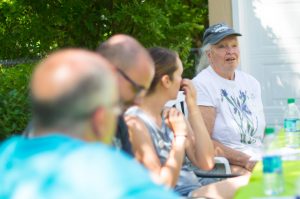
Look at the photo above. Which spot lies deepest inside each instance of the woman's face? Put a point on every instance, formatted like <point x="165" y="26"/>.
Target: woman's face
<point x="224" y="56"/>
<point x="177" y="78"/>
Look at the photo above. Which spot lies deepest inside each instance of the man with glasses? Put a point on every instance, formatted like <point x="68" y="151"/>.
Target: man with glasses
<point x="75" y="103"/>
<point x="136" y="70"/>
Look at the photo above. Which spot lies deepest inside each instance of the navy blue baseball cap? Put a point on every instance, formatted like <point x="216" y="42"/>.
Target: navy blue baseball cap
<point x="217" y="32"/>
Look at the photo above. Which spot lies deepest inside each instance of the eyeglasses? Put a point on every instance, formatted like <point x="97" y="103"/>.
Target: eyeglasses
<point x="137" y="88"/>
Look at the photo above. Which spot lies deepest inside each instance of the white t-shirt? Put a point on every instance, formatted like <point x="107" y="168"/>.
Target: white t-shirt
<point x="240" y="120"/>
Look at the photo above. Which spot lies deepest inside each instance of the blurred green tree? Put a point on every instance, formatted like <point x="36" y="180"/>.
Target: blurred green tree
<point x="33" y="28"/>
<point x="30" y="28"/>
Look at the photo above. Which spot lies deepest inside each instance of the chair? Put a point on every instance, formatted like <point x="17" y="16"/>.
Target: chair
<point x="180" y="104"/>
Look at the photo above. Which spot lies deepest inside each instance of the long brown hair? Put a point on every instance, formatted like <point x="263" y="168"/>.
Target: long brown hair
<point x="165" y="61"/>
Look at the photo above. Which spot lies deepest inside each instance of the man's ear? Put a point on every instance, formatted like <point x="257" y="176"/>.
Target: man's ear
<point x="98" y="122"/>
<point x="102" y="126"/>
<point x="166" y="81"/>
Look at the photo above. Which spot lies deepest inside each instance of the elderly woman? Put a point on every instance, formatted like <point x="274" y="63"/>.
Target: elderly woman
<point x="165" y="142"/>
<point x="229" y="99"/>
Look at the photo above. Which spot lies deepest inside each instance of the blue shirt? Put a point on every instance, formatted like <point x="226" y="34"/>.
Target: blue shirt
<point x="57" y="166"/>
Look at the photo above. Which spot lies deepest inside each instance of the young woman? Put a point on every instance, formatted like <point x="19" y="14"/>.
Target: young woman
<point x="166" y="143"/>
<point x="163" y="140"/>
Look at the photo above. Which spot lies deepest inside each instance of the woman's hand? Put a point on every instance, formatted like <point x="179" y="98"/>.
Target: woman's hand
<point x="250" y="165"/>
<point x="190" y="92"/>
<point x="176" y="122"/>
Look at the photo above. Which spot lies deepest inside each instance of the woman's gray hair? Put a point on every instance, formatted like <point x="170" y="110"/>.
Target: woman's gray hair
<point x="203" y="61"/>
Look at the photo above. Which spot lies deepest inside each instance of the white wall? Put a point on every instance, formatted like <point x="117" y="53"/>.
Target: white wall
<point x="270" y="49"/>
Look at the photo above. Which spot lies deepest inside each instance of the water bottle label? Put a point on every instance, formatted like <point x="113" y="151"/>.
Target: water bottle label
<point x="298" y="125"/>
<point x="272" y="164"/>
<point x="292" y="125"/>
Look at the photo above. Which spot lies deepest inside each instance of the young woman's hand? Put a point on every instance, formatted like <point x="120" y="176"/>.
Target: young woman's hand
<point x="176" y="122"/>
<point x="190" y="92"/>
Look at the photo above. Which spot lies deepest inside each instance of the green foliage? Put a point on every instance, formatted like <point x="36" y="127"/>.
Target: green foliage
<point x="14" y="107"/>
<point x="33" y="28"/>
<point x="30" y="28"/>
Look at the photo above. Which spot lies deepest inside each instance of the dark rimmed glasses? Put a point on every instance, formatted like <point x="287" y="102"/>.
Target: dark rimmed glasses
<point x="138" y="89"/>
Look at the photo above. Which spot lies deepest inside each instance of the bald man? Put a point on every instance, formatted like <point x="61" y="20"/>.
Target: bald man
<point x="135" y="72"/>
<point x="75" y="103"/>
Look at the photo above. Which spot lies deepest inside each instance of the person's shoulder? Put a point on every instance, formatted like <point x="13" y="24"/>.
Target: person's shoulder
<point x="94" y="148"/>
<point x="8" y="146"/>
<point x="136" y="117"/>
<point x="100" y="154"/>
<point x="112" y="172"/>
<point x="98" y="161"/>
<point x="203" y="77"/>
<point x="10" y="141"/>
<point x="133" y="110"/>
<point x="246" y="76"/>
<point x="203" y="73"/>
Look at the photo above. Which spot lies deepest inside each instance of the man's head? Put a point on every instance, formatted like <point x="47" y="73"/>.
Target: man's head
<point x="75" y="92"/>
<point x="134" y="64"/>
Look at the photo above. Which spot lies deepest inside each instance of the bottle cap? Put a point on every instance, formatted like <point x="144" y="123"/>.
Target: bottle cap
<point x="291" y="100"/>
<point x="272" y="164"/>
<point x="269" y="130"/>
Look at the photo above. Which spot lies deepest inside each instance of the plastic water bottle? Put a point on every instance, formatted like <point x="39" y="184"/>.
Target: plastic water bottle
<point x="298" y="188"/>
<point x="272" y="165"/>
<point x="292" y="124"/>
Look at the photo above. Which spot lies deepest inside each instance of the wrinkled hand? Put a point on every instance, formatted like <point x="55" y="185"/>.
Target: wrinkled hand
<point x="189" y="91"/>
<point x="250" y="165"/>
<point x="176" y="122"/>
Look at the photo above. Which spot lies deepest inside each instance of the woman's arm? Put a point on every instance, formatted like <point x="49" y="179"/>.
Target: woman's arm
<point x="234" y="157"/>
<point x="145" y="152"/>
<point x="200" y="150"/>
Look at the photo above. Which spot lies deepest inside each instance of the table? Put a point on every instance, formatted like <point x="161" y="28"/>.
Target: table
<point x="291" y="172"/>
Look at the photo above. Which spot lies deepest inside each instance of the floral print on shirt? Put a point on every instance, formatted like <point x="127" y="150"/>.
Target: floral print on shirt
<point x="246" y="122"/>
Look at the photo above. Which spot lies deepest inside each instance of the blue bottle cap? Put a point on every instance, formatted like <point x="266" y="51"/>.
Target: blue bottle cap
<point x="272" y="164"/>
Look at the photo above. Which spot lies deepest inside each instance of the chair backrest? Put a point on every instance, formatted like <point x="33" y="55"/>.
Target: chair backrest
<point x="179" y="103"/>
